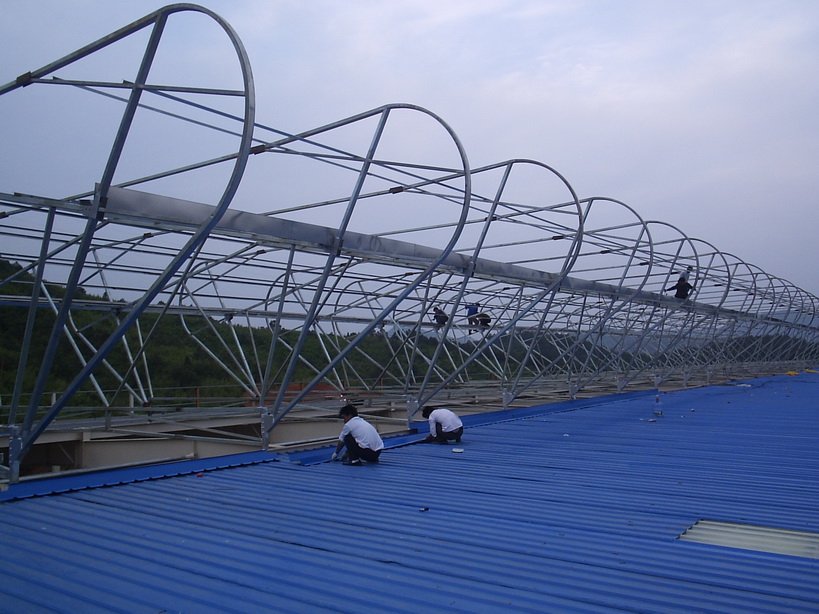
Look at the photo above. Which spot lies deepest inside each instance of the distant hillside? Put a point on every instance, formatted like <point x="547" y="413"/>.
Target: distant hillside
<point x="178" y="366"/>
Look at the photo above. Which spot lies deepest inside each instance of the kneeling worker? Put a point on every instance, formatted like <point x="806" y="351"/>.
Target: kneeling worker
<point x="362" y="440"/>
<point x="444" y="425"/>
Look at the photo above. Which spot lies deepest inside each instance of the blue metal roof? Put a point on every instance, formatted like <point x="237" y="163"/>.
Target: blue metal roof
<point x="568" y="508"/>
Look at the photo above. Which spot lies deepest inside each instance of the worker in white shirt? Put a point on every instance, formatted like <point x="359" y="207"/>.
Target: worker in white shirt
<point x="444" y="425"/>
<point x="359" y="436"/>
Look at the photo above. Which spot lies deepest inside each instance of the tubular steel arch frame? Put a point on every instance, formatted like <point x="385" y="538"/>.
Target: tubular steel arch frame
<point x="321" y="290"/>
<point x="22" y="440"/>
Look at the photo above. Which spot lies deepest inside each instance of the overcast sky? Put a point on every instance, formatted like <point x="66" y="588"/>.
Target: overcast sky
<point x="700" y="113"/>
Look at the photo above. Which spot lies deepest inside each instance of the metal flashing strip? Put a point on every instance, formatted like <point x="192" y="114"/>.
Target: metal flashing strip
<point x="47" y="485"/>
<point x="752" y="537"/>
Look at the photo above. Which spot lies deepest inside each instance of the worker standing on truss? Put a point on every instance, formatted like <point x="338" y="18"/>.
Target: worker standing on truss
<point x="682" y="289"/>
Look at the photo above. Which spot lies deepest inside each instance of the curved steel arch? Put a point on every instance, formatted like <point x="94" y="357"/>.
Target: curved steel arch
<point x="281" y="407"/>
<point x="522" y="311"/>
<point x="95" y="214"/>
<point x="609" y="314"/>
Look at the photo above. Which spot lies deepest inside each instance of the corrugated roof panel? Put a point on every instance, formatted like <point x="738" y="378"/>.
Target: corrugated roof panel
<point x="555" y="511"/>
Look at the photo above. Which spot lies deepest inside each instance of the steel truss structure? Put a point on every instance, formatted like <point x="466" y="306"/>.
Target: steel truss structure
<point x="320" y="283"/>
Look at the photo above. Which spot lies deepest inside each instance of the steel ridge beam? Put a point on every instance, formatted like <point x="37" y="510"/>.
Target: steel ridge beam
<point x="144" y="209"/>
